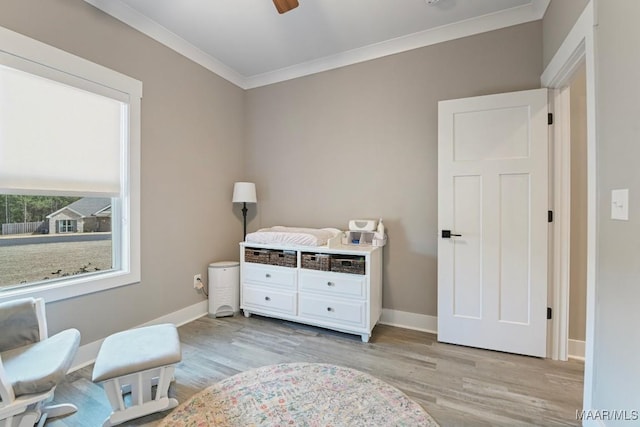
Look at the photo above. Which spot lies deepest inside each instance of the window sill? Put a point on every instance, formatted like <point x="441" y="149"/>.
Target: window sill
<point x="65" y="289"/>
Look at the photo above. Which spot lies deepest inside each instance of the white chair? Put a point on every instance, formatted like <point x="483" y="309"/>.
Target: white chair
<point x="32" y="364"/>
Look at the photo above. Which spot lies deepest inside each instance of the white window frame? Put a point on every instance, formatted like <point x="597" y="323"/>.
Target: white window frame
<point x="50" y="62"/>
<point x="67" y="225"/>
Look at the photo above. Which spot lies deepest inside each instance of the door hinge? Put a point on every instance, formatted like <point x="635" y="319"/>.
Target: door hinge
<point x="549" y="216"/>
<point x="549" y="313"/>
<point x="550" y="118"/>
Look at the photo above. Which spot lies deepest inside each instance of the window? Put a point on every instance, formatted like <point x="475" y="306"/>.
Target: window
<point x="67" y="225"/>
<point x="69" y="173"/>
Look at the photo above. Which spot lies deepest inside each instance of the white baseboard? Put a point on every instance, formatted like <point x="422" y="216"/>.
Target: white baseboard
<point x="576" y="350"/>
<point x="87" y="353"/>
<point x="182" y="316"/>
<point x="426" y="323"/>
<point x="404" y="319"/>
<point x="420" y="322"/>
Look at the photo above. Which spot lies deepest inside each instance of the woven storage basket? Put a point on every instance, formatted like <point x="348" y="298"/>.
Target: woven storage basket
<point x="316" y="261"/>
<point x="355" y="265"/>
<point x="283" y="258"/>
<point x="259" y="256"/>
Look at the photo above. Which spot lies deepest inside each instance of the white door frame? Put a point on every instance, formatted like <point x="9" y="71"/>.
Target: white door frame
<point x="577" y="47"/>
<point x="560" y="237"/>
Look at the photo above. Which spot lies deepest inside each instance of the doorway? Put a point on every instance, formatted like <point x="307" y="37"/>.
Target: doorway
<point x="578" y="214"/>
<point x="576" y="49"/>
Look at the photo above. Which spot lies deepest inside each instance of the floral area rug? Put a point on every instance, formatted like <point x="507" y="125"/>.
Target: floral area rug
<point x="299" y="394"/>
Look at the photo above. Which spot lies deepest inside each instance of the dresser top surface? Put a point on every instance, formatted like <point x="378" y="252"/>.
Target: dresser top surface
<point x="334" y="249"/>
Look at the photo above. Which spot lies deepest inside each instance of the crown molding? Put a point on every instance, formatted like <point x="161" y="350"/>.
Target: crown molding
<point x="136" y="20"/>
<point x="494" y="21"/>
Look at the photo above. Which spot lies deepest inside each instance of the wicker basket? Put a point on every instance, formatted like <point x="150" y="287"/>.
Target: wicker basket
<point x="352" y="265"/>
<point x="283" y="258"/>
<point x="258" y="256"/>
<point x="316" y="261"/>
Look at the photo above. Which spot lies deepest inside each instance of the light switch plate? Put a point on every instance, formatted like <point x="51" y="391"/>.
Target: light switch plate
<point x="620" y="204"/>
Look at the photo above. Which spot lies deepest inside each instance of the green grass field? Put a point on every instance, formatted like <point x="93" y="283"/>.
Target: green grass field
<point x="36" y="262"/>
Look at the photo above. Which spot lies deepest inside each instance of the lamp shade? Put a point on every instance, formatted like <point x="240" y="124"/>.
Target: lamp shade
<point x="244" y="192"/>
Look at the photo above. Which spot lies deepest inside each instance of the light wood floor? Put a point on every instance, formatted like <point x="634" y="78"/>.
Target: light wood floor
<point x="458" y="386"/>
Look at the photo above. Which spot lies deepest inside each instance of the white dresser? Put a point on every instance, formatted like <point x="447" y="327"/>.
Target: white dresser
<point x="301" y="289"/>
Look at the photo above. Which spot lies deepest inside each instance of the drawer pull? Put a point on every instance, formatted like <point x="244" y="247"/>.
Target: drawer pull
<point x="330" y="284"/>
<point x="267" y="298"/>
<point x="330" y="309"/>
<point x="267" y="275"/>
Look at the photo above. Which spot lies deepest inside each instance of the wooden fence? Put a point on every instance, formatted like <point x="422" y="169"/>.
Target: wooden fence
<point x="23" y="228"/>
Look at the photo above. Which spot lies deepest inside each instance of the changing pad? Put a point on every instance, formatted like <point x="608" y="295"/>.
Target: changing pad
<point x="293" y="236"/>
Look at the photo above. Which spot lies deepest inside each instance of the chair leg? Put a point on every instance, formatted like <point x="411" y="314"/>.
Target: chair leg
<point x="59" y="410"/>
<point x="42" y="420"/>
<point x="28" y="419"/>
<point x="38" y="413"/>
<point x="142" y="401"/>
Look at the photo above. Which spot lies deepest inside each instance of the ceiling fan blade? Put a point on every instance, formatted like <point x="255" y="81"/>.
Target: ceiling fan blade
<point x="285" y="5"/>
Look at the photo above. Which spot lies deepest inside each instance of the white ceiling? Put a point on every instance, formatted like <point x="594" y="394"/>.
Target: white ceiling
<point x="250" y="44"/>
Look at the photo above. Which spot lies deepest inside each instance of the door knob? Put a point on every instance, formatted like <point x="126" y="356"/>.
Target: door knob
<point x="447" y="234"/>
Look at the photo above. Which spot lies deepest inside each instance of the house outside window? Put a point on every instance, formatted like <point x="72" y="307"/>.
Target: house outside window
<point x="69" y="173"/>
<point x="86" y="215"/>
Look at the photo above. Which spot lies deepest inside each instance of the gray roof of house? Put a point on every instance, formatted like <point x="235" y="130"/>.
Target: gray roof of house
<point x="88" y="206"/>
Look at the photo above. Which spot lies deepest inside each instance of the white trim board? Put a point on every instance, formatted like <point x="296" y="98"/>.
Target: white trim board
<point x="87" y="353"/>
<point x="135" y="19"/>
<point x="560" y="151"/>
<point x="406" y="320"/>
<point x="577" y="46"/>
<point x="494" y="21"/>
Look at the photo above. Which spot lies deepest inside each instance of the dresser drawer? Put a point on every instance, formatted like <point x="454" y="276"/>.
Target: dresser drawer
<point x="350" y="313"/>
<point x="332" y="284"/>
<point x="275" y="276"/>
<point x="268" y="299"/>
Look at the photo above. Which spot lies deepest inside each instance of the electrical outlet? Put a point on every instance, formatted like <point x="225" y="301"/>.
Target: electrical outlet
<point x="197" y="281"/>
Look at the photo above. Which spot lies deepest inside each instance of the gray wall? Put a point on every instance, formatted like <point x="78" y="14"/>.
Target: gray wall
<point x="578" y="245"/>
<point x="558" y="20"/>
<point x="192" y="152"/>
<point x="361" y="142"/>
<point x="617" y="337"/>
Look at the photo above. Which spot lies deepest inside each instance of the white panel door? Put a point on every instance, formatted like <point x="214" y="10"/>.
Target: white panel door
<point x="492" y="199"/>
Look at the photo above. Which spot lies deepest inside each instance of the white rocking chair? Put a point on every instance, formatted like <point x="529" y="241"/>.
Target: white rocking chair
<point x="32" y="364"/>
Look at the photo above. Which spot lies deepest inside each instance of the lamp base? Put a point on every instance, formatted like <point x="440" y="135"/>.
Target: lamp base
<point x="244" y="217"/>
